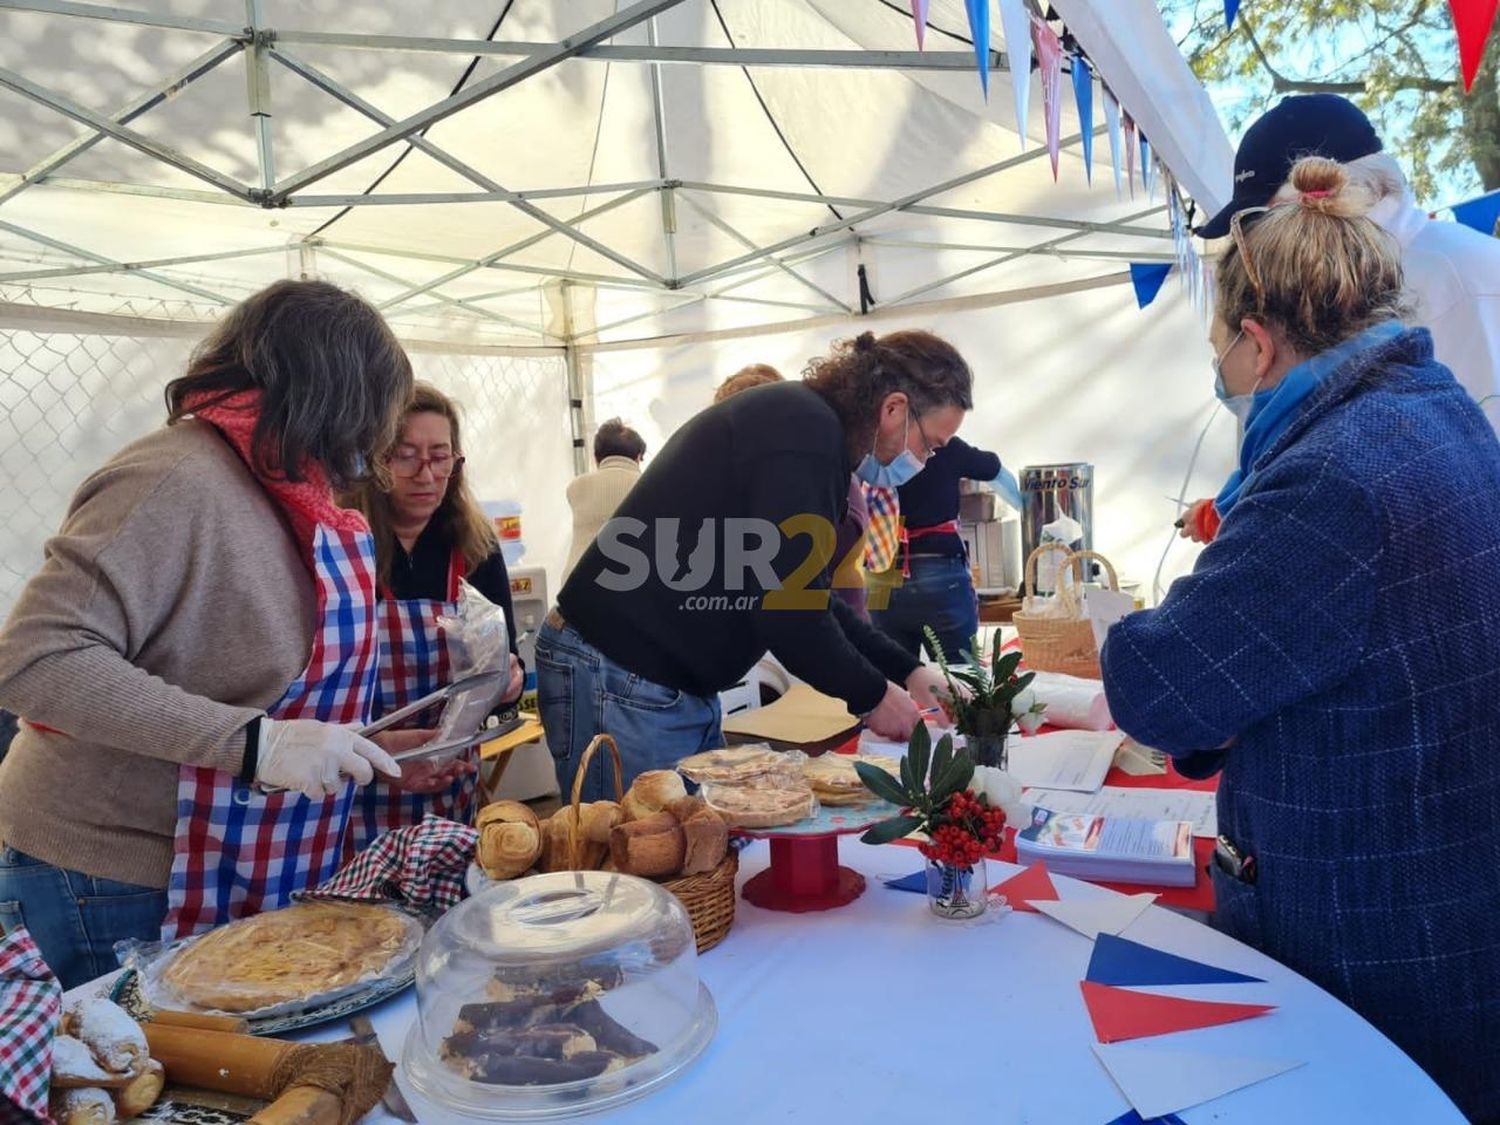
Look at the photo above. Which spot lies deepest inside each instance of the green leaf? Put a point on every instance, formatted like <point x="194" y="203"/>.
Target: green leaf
<point x="958" y="775"/>
<point x="908" y="780"/>
<point x="943" y="758"/>
<point x="883" y="785"/>
<point x="1024" y="682"/>
<point x="893" y="829"/>
<point x="920" y="752"/>
<point x="1005" y="666"/>
<point x="995" y="649"/>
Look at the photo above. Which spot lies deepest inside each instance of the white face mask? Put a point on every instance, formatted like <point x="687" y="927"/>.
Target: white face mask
<point x="895" y="472"/>
<point x="1238" y="405"/>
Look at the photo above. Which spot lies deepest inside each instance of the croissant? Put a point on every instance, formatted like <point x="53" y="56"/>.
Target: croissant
<point x="510" y="839"/>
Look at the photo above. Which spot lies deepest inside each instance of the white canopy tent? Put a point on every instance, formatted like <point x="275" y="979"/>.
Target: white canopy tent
<point x="583" y="208"/>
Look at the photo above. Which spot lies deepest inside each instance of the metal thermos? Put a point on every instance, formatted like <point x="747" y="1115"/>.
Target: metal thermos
<point x="1047" y="492"/>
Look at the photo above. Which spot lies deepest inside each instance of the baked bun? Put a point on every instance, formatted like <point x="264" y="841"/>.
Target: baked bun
<point x="510" y="839"/>
<point x="88" y="1105"/>
<point x="142" y="1092"/>
<point x="705" y="834"/>
<point x="651" y="848"/>
<point x="651" y="792"/>
<point x="114" y="1039"/>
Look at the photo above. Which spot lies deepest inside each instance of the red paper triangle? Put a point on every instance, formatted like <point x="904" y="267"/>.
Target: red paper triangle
<point x="1120" y="1013"/>
<point x="1472" y="21"/>
<point x="1032" y="883"/>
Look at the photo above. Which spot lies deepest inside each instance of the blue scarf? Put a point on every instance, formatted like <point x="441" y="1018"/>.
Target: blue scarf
<point x="1276" y="408"/>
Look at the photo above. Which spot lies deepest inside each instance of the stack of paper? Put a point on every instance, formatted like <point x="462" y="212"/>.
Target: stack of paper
<point x="1065" y="759"/>
<point x="1120" y="849"/>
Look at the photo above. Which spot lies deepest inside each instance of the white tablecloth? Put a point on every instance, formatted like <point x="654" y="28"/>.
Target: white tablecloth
<point x="881" y="1012"/>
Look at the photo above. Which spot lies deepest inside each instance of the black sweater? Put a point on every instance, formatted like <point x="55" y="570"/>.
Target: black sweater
<point x="423" y="574"/>
<point x="774" y="453"/>
<point x="931" y="497"/>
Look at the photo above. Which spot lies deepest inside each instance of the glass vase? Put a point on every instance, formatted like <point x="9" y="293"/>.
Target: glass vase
<point x="955" y="892"/>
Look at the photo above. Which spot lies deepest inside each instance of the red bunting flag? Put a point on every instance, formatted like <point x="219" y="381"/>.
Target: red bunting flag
<point x="1049" y="53"/>
<point x="1473" y="20"/>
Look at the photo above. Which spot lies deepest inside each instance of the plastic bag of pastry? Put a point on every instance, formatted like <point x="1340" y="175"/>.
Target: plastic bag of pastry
<point x="284" y="961"/>
<point x="478" y="638"/>
<point x="835" y="781"/>
<point x="738" y="765"/>
<point x="761" y="805"/>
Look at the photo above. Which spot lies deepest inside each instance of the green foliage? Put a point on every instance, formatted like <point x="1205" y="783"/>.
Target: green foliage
<point x="982" y="694"/>
<point x="929" y="779"/>
<point x="1396" y="59"/>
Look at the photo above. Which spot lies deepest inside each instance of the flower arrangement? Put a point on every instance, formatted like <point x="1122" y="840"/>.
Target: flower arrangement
<point x="986" y="698"/>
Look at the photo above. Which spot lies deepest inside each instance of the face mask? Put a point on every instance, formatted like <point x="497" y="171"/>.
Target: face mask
<point x="1238" y="405"/>
<point x="897" y="471"/>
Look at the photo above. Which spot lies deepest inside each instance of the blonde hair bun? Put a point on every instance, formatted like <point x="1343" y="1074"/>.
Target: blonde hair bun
<point x="1322" y="185"/>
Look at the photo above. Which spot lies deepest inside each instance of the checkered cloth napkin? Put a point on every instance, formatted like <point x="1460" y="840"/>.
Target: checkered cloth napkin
<point x="30" y="1009"/>
<point x="422" y="865"/>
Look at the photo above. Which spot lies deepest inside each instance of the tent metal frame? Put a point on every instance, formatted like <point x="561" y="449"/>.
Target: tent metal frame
<point x="262" y="45"/>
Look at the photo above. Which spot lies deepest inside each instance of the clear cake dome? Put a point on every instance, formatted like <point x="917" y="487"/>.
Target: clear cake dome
<point x="557" y="995"/>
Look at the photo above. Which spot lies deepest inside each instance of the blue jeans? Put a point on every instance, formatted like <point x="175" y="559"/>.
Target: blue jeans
<point x="581" y="693"/>
<point x="940" y="594"/>
<point x="75" y="919"/>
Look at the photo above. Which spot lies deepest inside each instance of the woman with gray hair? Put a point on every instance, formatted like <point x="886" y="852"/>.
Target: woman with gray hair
<point x="193" y="659"/>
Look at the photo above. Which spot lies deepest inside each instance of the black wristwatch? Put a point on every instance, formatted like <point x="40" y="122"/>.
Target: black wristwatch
<point x="250" y="762"/>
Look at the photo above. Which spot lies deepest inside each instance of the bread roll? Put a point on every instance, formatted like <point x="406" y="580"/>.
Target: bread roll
<point x="651" y="792"/>
<point x="73" y="1066"/>
<point x="117" y="1042"/>
<point x="142" y="1092"/>
<point x="651" y="848"/>
<point x="557" y="841"/>
<point x="87" y="1106"/>
<point x="510" y="839"/>
<point x="706" y="835"/>
<point x="599" y="820"/>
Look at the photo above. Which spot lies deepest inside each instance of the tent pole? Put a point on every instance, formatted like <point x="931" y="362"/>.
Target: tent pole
<point x="125" y="15"/>
<point x="258" y="91"/>
<point x="354" y="101"/>
<point x="488" y="87"/>
<point x="578" y="408"/>
<point x="423" y="198"/>
<point x="79" y="252"/>
<point x="136" y="267"/>
<point x="668" y="196"/>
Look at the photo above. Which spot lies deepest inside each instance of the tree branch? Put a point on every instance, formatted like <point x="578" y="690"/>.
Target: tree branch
<point x="1281" y="84"/>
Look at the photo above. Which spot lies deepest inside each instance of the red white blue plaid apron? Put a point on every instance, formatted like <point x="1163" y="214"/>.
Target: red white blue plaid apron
<point x="414" y="662"/>
<point x="239" y="851"/>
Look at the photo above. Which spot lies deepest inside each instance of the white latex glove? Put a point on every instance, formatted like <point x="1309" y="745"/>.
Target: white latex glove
<point x="315" y="758"/>
<point x="1008" y="488"/>
<point x="896" y="716"/>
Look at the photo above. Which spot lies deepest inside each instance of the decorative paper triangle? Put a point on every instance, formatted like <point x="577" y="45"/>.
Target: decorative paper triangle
<point x="1083" y="95"/>
<point x="1093" y="916"/>
<point x="1148" y="277"/>
<point x="1130" y="152"/>
<point x="1157" y="1083"/>
<point x="1481" y="213"/>
<point x="1120" y="961"/>
<point x="1473" y="20"/>
<point x="1049" y="54"/>
<point x="1119" y="1013"/>
<point x="1131" y="1117"/>
<point x="1015" y="23"/>
<point x="919" y="17"/>
<point x="1231" y="9"/>
<point x="979" y="30"/>
<point x="1148" y="172"/>
<point x="1032" y="884"/>
<point x="1112" y="119"/>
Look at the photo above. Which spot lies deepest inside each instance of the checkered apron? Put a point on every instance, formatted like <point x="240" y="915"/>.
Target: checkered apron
<point x="414" y="662"/>
<point x="30" y="1008"/>
<point x="883" y="535"/>
<point x="239" y="851"/>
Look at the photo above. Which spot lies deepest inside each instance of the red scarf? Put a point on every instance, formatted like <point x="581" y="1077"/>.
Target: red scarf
<point x="308" y="502"/>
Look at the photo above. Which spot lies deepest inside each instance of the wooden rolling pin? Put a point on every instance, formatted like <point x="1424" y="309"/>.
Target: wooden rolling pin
<point x="218" y="1060"/>
<point x="232" y="1024"/>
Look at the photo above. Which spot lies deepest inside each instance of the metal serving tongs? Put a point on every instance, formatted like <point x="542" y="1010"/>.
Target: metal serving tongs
<point x="486" y="688"/>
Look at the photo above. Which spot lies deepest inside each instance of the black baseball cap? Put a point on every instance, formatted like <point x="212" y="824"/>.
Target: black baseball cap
<point x="1298" y="126"/>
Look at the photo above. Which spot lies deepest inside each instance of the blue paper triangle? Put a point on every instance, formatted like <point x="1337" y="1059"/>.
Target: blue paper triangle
<point x="979" y="30"/>
<point x="1125" y="963"/>
<point x="1083" y="94"/>
<point x="1231" y="9"/>
<point x="1131" y="1117"/>
<point x="1147" y="277"/>
<point x="1481" y="213"/>
<point x="916" y="881"/>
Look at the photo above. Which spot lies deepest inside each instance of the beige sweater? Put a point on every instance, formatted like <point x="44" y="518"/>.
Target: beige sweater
<point x="594" y="497"/>
<point x="171" y="609"/>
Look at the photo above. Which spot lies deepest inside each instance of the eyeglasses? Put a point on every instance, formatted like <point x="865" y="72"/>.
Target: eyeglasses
<point x="926" y="443"/>
<point x="409" y="463"/>
<point x="1237" y="231"/>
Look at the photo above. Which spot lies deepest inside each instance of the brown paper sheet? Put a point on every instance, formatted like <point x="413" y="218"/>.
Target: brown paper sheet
<point x="801" y="717"/>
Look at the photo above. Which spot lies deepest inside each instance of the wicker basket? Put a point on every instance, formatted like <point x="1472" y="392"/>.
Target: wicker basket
<point x="1063" y="642"/>
<point x="709" y="898"/>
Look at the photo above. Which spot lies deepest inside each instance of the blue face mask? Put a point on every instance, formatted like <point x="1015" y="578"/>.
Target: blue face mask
<point x="1238" y="405"/>
<point x="894" y="473"/>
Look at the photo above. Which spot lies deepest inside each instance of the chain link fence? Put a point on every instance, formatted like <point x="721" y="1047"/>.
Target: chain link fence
<point x="70" y="400"/>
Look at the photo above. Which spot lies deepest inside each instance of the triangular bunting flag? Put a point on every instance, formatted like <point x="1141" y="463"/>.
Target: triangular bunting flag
<point x="1120" y="961"/>
<point x="1119" y="1013"/>
<point x="1032" y="884"/>
<point x="1147" y="171"/>
<point x="1083" y="95"/>
<point x="1112" y="119"/>
<point x="1015" y="23"/>
<point x="1094" y="916"/>
<point x="1147" y="277"/>
<point x="1130" y="152"/>
<point x="1231" y="9"/>
<point x="979" y="29"/>
<point x="1482" y="214"/>
<point x="1131" y="1117"/>
<point x="1049" y="54"/>
<point x="1157" y="1083"/>
<point x="1473" y="20"/>
<point x="919" y="17"/>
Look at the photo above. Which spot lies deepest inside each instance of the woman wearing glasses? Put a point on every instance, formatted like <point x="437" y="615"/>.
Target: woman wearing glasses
<point x="429" y="534"/>
<point x="1334" y="651"/>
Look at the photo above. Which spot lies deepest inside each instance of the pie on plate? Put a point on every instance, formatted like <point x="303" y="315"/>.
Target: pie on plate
<point x="301" y="953"/>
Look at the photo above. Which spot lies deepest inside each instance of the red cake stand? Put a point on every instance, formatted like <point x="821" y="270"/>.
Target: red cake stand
<point x="805" y="873"/>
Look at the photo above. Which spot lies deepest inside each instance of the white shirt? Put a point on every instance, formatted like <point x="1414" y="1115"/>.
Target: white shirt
<point x="1453" y="278"/>
<point x="594" y="498"/>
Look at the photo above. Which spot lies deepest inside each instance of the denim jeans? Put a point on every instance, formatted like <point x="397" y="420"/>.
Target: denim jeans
<point x="940" y="594"/>
<point x="581" y="693"/>
<point x="75" y="919"/>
